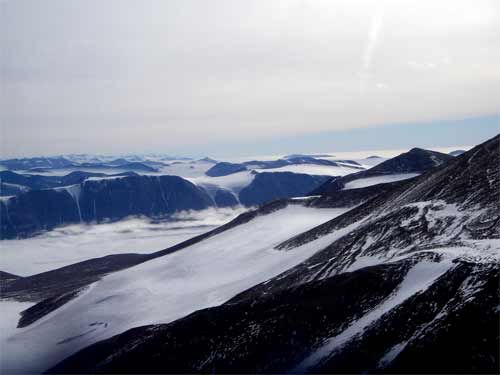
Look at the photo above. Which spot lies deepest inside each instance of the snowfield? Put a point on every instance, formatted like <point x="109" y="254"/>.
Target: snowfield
<point x="313" y="169"/>
<point x="233" y="182"/>
<point x="165" y="289"/>
<point x="369" y="181"/>
<point x="75" y="243"/>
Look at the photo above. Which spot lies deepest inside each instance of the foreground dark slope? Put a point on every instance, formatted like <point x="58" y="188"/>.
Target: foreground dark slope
<point x="275" y="333"/>
<point x="403" y="291"/>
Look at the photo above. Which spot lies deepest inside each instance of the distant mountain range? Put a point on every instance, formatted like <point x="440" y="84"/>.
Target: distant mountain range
<point x="40" y="202"/>
<point x="224" y="168"/>
<point x="97" y="201"/>
<point x="82" y="160"/>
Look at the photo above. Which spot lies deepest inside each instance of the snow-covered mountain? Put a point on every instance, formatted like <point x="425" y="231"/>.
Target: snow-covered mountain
<point x="291" y="163"/>
<point x="32" y="203"/>
<point x="384" y="278"/>
<point x="99" y="199"/>
<point x="401" y="167"/>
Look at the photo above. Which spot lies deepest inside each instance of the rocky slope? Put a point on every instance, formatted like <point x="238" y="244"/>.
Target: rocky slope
<point x="404" y="166"/>
<point x="396" y="285"/>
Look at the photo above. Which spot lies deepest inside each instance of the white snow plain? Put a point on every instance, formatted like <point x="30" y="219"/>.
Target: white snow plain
<point x="165" y="289"/>
<point x="313" y="169"/>
<point x="369" y="181"/>
<point x="233" y="182"/>
<point x="75" y="243"/>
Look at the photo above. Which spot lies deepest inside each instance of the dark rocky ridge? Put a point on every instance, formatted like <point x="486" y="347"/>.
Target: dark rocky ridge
<point x="268" y="186"/>
<point x="224" y="168"/>
<point x="351" y="197"/>
<point x="275" y="333"/>
<point x="416" y="160"/>
<point x="390" y="223"/>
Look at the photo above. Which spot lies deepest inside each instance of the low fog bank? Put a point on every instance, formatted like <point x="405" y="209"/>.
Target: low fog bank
<point x="75" y="243"/>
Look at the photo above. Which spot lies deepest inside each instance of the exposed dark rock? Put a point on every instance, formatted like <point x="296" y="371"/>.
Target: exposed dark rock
<point x="275" y="333"/>
<point x="97" y="201"/>
<point x="351" y="197"/>
<point x="268" y="186"/>
<point x="34" y="182"/>
<point x="130" y="166"/>
<point x="225" y="198"/>
<point x="416" y="160"/>
<point x="48" y="305"/>
<point x="224" y="169"/>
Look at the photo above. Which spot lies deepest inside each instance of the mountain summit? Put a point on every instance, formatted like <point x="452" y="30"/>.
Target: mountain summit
<point x="406" y="165"/>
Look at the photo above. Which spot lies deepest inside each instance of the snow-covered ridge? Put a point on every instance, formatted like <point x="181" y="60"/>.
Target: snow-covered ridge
<point x="165" y="289"/>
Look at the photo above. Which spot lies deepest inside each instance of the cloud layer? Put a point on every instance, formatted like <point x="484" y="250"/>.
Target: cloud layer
<point x="127" y="75"/>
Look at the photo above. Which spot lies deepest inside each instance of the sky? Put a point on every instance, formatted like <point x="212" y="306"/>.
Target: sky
<point x="228" y="77"/>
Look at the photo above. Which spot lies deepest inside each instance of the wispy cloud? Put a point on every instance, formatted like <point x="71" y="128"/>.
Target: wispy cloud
<point x="372" y="40"/>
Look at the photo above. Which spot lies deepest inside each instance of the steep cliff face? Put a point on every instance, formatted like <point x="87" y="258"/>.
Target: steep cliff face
<point x="268" y="186"/>
<point x="97" y="201"/>
<point x="225" y="198"/>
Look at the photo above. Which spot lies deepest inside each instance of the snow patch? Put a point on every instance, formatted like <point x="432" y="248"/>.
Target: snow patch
<point x="369" y="181"/>
<point x="313" y="169"/>
<point x="391" y="354"/>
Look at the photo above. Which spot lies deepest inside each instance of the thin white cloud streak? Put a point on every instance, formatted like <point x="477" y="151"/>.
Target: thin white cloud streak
<point x="373" y="37"/>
